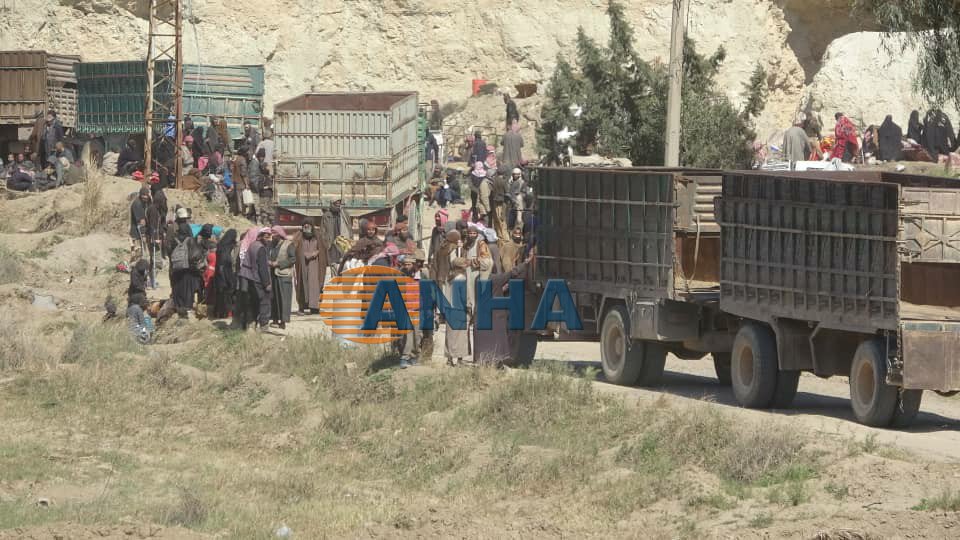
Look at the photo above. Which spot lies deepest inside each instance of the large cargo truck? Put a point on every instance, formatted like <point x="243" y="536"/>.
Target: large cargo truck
<point x="363" y="149"/>
<point x="849" y="274"/>
<point x="32" y="82"/>
<point x="112" y="96"/>
<point x="638" y="249"/>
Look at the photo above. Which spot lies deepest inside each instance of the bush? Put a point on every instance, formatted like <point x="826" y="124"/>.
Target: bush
<point x="624" y="102"/>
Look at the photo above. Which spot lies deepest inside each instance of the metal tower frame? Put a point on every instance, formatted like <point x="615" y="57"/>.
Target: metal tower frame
<point x="165" y="45"/>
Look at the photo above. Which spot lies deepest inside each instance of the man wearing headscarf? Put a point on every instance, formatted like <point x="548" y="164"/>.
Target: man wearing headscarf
<point x="283" y="256"/>
<point x="492" y="240"/>
<point x="914" y="128"/>
<point x="440" y="261"/>
<point x="225" y="276"/>
<point x="129" y="159"/>
<point x="890" y="141"/>
<point x="185" y="282"/>
<point x="311" y="267"/>
<point x="256" y="282"/>
<point x="439" y="231"/>
<point x="456" y="342"/>
<point x="480" y="263"/>
<point x="512" y="251"/>
<point x="367" y="246"/>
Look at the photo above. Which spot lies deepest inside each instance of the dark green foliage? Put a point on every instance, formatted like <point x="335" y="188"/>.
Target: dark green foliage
<point x="624" y="102"/>
<point x="933" y="27"/>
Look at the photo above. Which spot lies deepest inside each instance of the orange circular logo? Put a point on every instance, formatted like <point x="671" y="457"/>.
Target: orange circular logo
<point x="346" y="301"/>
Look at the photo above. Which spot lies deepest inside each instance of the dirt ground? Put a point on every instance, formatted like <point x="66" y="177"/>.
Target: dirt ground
<point x="215" y="434"/>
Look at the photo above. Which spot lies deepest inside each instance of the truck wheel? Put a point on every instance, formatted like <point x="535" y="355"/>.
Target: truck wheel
<point x="908" y="406"/>
<point x="753" y="366"/>
<point x="872" y="399"/>
<point x="721" y="364"/>
<point x="786" y="390"/>
<point x="523" y="349"/>
<point x="627" y="363"/>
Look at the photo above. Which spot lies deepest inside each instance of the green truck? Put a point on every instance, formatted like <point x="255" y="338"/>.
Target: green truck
<point x="112" y="96"/>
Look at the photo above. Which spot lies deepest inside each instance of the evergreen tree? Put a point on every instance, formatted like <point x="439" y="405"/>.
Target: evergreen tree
<point x="624" y="102"/>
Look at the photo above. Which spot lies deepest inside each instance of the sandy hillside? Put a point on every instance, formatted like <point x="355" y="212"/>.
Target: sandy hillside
<point x="437" y="47"/>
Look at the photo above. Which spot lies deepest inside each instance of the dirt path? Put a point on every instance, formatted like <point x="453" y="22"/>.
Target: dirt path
<point x="822" y="404"/>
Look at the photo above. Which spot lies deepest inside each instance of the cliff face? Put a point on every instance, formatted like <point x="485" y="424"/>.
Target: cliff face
<point x="438" y="46"/>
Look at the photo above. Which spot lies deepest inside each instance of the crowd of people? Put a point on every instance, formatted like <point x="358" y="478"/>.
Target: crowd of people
<point x="255" y="276"/>
<point x="238" y="175"/>
<point x="47" y="163"/>
<point x="251" y="277"/>
<point x="933" y="139"/>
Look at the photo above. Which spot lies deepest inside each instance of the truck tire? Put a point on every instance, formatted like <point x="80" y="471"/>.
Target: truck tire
<point x="753" y="366"/>
<point x="786" y="389"/>
<point x="908" y="406"/>
<point x="523" y="349"/>
<point x="627" y="363"/>
<point x="721" y="364"/>
<point x="872" y="399"/>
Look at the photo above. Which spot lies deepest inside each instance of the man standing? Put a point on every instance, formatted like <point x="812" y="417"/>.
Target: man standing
<point x="266" y="146"/>
<point x="513" y="146"/>
<point x="478" y="153"/>
<point x="187" y="261"/>
<point x="512" y="113"/>
<point x="52" y="134"/>
<point x="311" y="268"/>
<point x="254" y="177"/>
<point x="409" y="344"/>
<point x="846" y="146"/>
<point x="139" y="236"/>
<point x="499" y="206"/>
<point x="251" y="136"/>
<point x="511" y="252"/>
<point x="255" y="279"/>
<point x="796" y="146"/>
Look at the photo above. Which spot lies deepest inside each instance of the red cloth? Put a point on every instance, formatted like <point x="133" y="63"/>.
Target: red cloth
<point x="845" y="133"/>
<point x="211" y="268"/>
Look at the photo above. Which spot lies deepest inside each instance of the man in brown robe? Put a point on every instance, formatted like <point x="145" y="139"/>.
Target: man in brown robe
<point x="511" y="252"/>
<point x="492" y="347"/>
<point x="311" y="267"/>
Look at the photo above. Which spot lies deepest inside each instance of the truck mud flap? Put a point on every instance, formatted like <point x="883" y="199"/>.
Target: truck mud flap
<point x="930" y="356"/>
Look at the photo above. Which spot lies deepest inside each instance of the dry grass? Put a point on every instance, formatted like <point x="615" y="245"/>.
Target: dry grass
<point x="366" y="448"/>
<point x="91" y="204"/>
<point x="11" y="267"/>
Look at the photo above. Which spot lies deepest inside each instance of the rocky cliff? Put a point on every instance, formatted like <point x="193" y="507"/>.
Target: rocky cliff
<point x="438" y="46"/>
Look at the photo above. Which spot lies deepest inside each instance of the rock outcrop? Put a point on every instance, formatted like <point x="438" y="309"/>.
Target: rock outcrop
<point x="438" y="46"/>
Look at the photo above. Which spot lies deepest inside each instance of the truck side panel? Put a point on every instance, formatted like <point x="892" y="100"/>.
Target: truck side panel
<point x="603" y="230"/>
<point x="369" y="159"/>
<point x="810" y="249"/>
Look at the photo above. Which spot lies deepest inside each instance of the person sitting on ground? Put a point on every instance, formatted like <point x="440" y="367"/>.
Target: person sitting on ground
<point x="138" y="320"/>
<point x="63" y="160"/>
<point x="21" y="179"/>
<point x="129" y="159"/>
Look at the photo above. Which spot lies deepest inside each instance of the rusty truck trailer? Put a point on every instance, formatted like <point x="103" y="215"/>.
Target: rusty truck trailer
<point x="849" y="274"/>
<point x="639" y="249"/>
<point x="843" y="274"/>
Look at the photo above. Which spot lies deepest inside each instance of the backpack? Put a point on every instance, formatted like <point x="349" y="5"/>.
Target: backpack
<point x="180" y="257"/>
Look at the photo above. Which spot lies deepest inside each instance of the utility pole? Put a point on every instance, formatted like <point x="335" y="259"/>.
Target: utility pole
<point x="164" y="89"/>
<point x="675" y="97"/>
